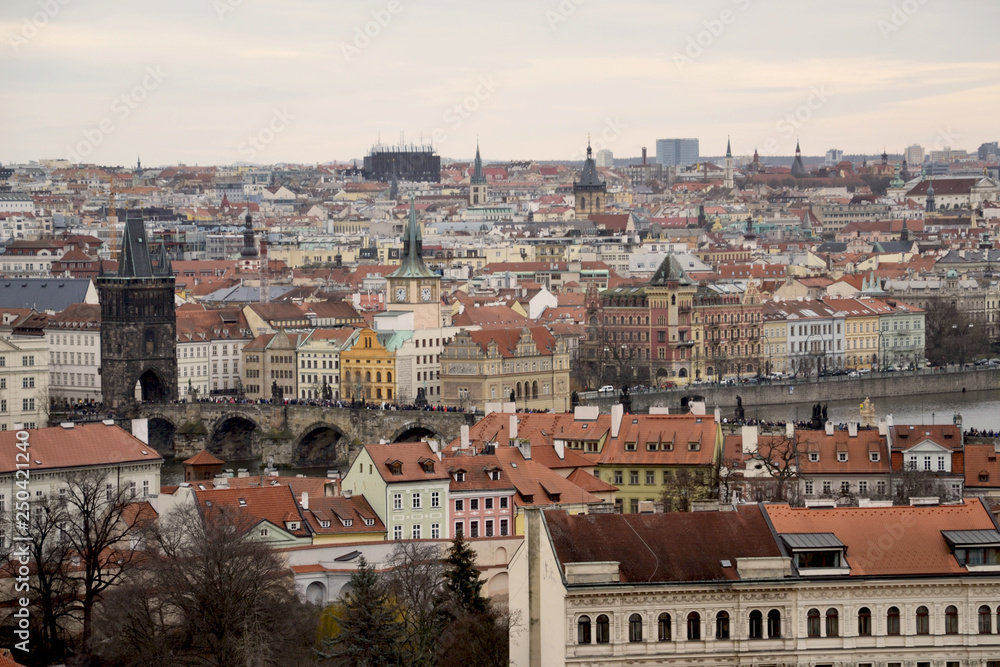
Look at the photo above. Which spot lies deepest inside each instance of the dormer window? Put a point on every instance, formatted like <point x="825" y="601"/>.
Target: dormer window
<point x="818" y="553"/>
<point x="494" y="475"/>
<point x="842" y="457"/>
<point x="975" y="549"/>
<point x="369" y="522"/>
<point x="814" y="457"/>
<point x="459" y="475"/>
<point x="292" y="525"/>
<point x="347" y="522"/>
<point x="629" y="446"/>
<point x="984" y="476"/>
<point x="651" y="446"/>
<point x="324" y="523"/>
<point x="396" y="467"/>
<point x="874" y="457"/>
<point x="694" y="446"/>
<point x="427" y="465"/>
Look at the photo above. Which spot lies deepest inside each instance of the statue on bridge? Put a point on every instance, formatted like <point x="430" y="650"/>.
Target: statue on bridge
<point x="277" y="393"/>
<point x="740" y="413"/>
<point x="819" y="417"/>
<point x="625" y="399"/>
<point x="421" y="400"/>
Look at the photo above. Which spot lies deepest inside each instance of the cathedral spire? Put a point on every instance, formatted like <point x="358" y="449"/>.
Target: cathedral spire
<point x="729" y="150"/>
<point x="412" y="265"/>
<point x="477" y="172"/>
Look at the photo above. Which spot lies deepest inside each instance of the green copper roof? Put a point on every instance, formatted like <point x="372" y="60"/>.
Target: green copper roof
<point x="413" y="245"/>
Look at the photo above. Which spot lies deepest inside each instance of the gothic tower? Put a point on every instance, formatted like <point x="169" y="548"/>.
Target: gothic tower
<point x="590" y="192"/>
<point x="729" y="166"/>
<point x="413" y="286"/>
<point x="138" y="323"/>
<point x="931" y="206"/>
<point x="477" y="184"/>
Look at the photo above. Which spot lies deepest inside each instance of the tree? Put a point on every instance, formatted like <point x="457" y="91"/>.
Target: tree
<point x="778" y="457"/>
<point x="912" y="482"/>
<point x="210" y="593"/>
<point x="683" y="486"/>
<point x="479" y="639"/>
<point x="370" y="630"/>
<point x="416" y="584"/>
<point x="463" y="578"/>
<point x="951" y="338"/>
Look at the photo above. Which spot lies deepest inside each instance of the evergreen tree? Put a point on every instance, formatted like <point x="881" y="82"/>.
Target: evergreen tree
<point x="462" y="578"/>
<point x="369" y="629"/>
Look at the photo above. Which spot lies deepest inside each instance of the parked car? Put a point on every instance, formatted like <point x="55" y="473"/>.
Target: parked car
<point x="606" y="388"/>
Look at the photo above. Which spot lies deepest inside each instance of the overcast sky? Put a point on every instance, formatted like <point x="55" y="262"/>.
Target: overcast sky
<point x="222" y="81"/>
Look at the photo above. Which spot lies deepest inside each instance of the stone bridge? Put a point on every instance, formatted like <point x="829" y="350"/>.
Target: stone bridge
<point x="299" y="435"/>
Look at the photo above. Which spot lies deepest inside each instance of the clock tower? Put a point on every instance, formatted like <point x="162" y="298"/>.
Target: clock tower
<point x="414" y="287"/>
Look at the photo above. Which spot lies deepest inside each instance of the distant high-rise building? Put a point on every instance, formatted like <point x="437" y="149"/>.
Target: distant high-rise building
<point x="833" y="157"/>
<point x="604" y="158"/>
<point x="914" y="154"/>
<point x="677" y="152"/>
<point x="409" y="163"/>
<point x="988" y="149"/>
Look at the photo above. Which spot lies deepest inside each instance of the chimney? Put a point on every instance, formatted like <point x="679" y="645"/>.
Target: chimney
<point x="852" y="429"/>
<point x="718" y="415"/>
<point x="347" y="493"/>
<point x="883" y="427"/>
<point x="140" y="429"/>
<point x="242" y="472"/>
<point x="465" y="436"/>
<point x="888" y="421"/>
<point x="829" y="427"/>
<point x="221" y="481"/>
<point x="524" y="446"/>
<point x="513" y="427"/>
<point x="789" y="430"/>
<point x="644" y="156"/>
<point x="749" y="439"/>
<point x="305" y="500"/>
<point x="617" y="412"/>
<point x="560" y="447"/>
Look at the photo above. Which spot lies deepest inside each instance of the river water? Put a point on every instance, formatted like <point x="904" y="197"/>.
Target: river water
<point x="979" y="409"/>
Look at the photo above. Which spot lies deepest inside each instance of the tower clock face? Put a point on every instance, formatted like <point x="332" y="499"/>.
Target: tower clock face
<point x="400" y="294"/>
<point x="425" y="293"/>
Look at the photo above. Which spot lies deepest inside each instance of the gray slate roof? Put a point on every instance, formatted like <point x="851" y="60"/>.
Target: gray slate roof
<point x="42" y="293"/>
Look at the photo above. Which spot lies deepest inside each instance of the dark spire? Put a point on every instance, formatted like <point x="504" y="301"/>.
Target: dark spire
<point x="413" y="265"/>
<point x="729" y="150"/>
<point x="394" y="185"/>
<point x="134" y="260"/>
<point x="589" y="177"/>
<point x="477" y="172"/>
<point x="904" y="234"/>
<point x="798" y="169"/>
<point x="163" y="265"/>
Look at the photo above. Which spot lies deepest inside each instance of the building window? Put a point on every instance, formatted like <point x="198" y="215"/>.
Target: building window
<point x="812" y="623"/>
<point x="722" y="625"/>
<point x="435" y="531"/>
<point x="474" y="504"/>
<point x="489" y="528"/>
<point x="504" y="528"/>
<point x="459" y="529"/>
<point x="923" y="621"/>
<point x="397" y="501"/>
<point x="504" y="501"/>
<point x="832" y="623"/>
<point x="845" y="487"/>
<point x="633" y="477"/>
<point x="459" y="505"/>
<point x="757" y="624"/>
<point x="985" y="620"/>
<point x="487" y="503"/>
<point x="415" y="501"/>
<point x="892" y="621"/>
<point x="435" y="499"/>
<point x="473" y="529"/>
<point x="650" y="477"/>
<point x="583" y="630"/>
<point x="618" y="476"/>
<point x="635" y="628"/>
<point x="603" y="629"/>
<point x="415" y="531"/>
<point x="809" y="488"/>
<point x="694" y="626"/>
<point x="663" y="627"/>
<point x="397" y="532"/>
<point x="864" y="622"/>
<point x="774" y="624"/>
<point x="842" y="457"/>
<point x="951" y="620"/>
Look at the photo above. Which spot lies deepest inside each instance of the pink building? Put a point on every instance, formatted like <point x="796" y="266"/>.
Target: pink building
<point x="481" y="496"/>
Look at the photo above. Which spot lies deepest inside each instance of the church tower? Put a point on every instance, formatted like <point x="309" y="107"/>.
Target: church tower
<point x="931" y="206"/>
<point x="414" y="287"/>
<point x="798" y="169"/>
<point x="477" y="184"/>
<point x="729" y="166"/>
<point x="138" y="323"/>
<point x="590" y="192"/>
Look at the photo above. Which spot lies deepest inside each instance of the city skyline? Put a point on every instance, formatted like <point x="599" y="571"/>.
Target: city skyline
<point x="228" y="81"/>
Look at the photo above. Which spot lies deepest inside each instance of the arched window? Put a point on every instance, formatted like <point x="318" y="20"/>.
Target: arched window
<point x="583" y="630"/>
<point x="773" y="624"/>
<point x="388" y="376"/>
<point x="832" y="623"/>
<point x="951" y="620"/>
<point x="756" y="624"/>
<point x="813" y="623"/>
<point x="892" y="621"/>
<point x="368" y="376"/>
<point x="694" y="626"/>
<point x="635" y="628"/>
<point x="663" y="627"/>
<point x="603" y="629"/>
<point x="673" y="299"/>
<point x="923" y="621"/>
<point x="722" y="625"/>
<point x="864" y="622"/>
<point x="985" y="620"/>
<point x="378" y="376"/>
<point x="583" y="202"/>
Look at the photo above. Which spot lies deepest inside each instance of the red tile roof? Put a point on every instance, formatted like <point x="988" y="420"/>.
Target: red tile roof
<point x="537" y="485"/>
<point x="411" y="456"/>
<point x="203" y="458"/>
<point x="275" y="504"/>
<point x="81" y="446"/>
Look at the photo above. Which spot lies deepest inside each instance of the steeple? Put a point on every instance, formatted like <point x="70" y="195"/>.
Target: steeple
<point x="477" y="172"/>
<point x="904" y="234"/>
<point x="931" y="207"/>
<point x="729" y="150"/>
<point x="134" y="261"/>
<point x="590" y="191"/>
<point x="477" y="182"/>
<point x="798" y="169"/>
<point x="728" y="181"/>
<point x="413" y="265"/>
<point x="885" y="157"/>
<point x="138" y="164"/>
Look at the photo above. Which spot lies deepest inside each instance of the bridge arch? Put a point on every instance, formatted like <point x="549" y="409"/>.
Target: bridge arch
<point x="161" y="430"/>
<point x="415" y="431"/>
<point x="320" y="443"/>
<point x="232" y="436"/>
